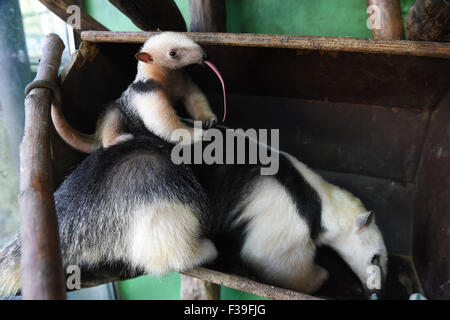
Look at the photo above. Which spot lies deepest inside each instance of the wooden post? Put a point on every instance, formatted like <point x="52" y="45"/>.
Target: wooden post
<point x="196" y="289"/>
<point x="41" y="268"/>
<point x="388" y="14"/>
<point x="429" y="20"/>
<point x="59" y="7"/>
<point x="208" y="15"/>
<point x="152" y="14"/>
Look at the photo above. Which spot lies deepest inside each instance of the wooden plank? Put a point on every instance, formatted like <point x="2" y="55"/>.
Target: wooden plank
<point x="429" y="20"/>
<point x="208" y="15"/>
<point x="390" y="19"/>
<point x="196" y="289"/>
<point x="107" y="273"/>
<point x="59" y="7"/>
<point x="104" y="273"/>
<point x="152" y="14"/>
<point x="246" y="285"/>
<point x="342" y="284"/>
<point x="42" y="274"/>
<point x="431" y="243"/>
<point x="406" y="48"/>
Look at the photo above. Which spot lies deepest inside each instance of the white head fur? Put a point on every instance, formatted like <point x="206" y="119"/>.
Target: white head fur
<point x="357" y="239"/>
<point x="348" y="228"/>
<point x="170" y="50"/>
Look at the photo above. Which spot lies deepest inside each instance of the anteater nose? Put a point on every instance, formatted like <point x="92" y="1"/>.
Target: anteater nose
<point x="205" y="56"/>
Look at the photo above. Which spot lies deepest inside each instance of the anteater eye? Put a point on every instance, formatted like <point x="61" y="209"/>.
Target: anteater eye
<point x="375" y="260"/>
<point x="172" y="53"/>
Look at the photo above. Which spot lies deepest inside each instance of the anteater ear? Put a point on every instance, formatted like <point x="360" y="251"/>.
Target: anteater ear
<point x="144" y="57"/>
<point x="364" y="220"/>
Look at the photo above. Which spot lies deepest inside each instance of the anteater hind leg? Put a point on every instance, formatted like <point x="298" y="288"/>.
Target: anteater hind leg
<point x="110" y="128"/>
<point x="312" y="280"/>
<point x="165" y="237"/>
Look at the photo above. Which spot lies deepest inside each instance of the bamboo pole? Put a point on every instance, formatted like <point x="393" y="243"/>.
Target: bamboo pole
<point x="390" y="19"/>
<point x="41" y="267"/>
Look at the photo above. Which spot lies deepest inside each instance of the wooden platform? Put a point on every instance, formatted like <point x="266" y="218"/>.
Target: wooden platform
<point x="413" y="48"/>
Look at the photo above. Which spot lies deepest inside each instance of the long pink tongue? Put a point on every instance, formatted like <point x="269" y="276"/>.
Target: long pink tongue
<point x="217" y="72"/>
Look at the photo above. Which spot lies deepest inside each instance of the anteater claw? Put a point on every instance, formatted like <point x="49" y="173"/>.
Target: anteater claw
<point x="210" y="123"/>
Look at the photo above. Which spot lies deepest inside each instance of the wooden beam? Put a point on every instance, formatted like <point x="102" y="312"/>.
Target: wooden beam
<point x="408" y="48"/>
<point x="246" y="285"/>
<point x="388" y="14"/>
<point x="196" y="289"/>
<point x="152" y="14"/>
<point x="429" y="20"/>
<point x="59" y="7"/>
<point x="208" y="15"/>
<point x="41" y="267"/>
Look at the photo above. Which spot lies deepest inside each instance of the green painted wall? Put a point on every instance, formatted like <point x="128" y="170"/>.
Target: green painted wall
<point x="336" y="18"/>
<point x="104" y="12"/>
<point x="333" y="18"/>
<point x="168" y="288"/>
<point x="151" y="288"/>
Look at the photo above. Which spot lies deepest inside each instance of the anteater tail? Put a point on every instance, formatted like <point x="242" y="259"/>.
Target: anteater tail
<point x="86" y="143"/>
<point x="10" y="268"/>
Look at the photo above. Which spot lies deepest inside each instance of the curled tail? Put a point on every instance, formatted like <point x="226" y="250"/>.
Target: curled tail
<point x="86" y="143"/>
<point x="10" y="268"/>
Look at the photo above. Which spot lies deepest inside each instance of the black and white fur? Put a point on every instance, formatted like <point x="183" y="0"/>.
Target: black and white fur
<point x="126" y="205"/>
<point x="275" y="223"/>
<point x="130" y="204"/>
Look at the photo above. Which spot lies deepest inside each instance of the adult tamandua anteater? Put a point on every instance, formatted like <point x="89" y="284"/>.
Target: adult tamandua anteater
<point x="275" y="223"/>
<point x="127" y="205"/>
<point x="147" y="104"/>
<point x="272" y="223"/>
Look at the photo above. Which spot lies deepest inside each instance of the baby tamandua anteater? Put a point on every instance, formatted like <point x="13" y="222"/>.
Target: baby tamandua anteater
<point x="147" y="104"/>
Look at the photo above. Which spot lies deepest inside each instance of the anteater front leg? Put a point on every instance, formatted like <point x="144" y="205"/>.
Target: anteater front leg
<point x="198" y="106"/>
<point x="160" y="118"/>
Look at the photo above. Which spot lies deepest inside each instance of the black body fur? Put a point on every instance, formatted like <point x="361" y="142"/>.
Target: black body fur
<point x="146" y="86"/>
<point x="140" y="170"/>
